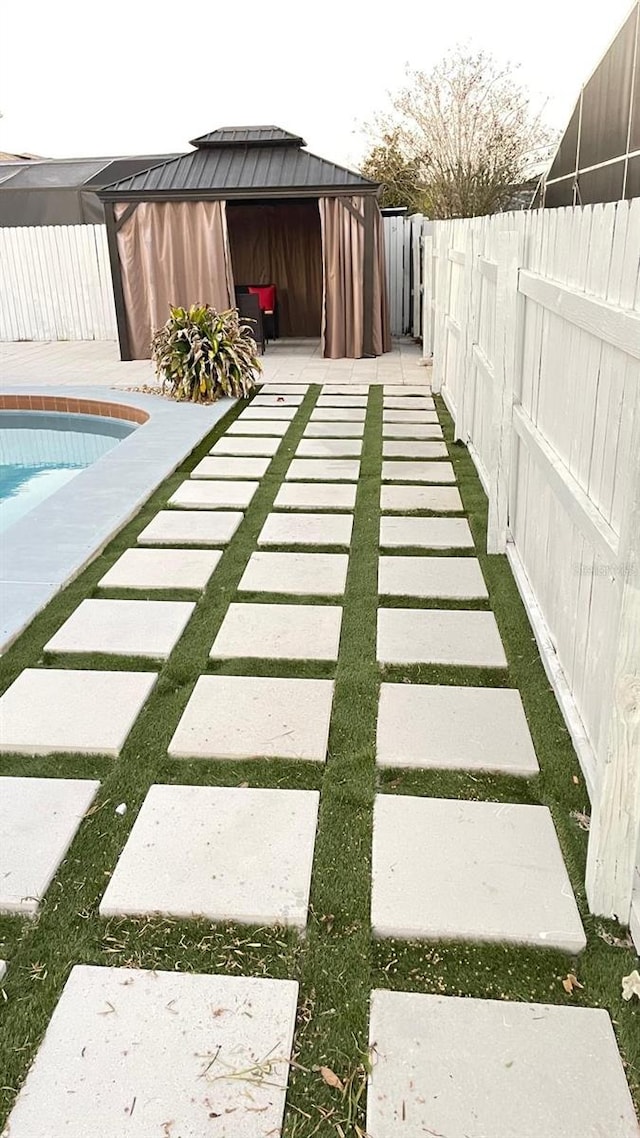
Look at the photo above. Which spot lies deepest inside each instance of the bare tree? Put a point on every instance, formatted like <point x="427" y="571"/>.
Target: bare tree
<point x="468" y="130"/>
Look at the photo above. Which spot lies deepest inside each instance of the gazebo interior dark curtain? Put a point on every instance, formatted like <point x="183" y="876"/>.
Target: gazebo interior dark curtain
<point x="279" y="243"/>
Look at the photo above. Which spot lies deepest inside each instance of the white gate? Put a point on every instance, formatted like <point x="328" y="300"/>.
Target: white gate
<point x="403" y="240"/>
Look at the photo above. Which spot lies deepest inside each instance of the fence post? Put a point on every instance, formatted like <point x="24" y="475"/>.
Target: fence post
<point x="416" y="273"/>
<point x="614" y="838"/>
<point x="441" y="237"/>
<point x="466" y="340"/>
<point x="506" y="362"/>
<point x="427" y="297"/>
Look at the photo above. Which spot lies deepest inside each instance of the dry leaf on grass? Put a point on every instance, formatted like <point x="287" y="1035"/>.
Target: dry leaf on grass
<point x="331" y="1079"/>
<point x="615" y="941"/>
<point x="570" y="982"/>
<point x="631" y="985"/>
<point x="583" y="820"/>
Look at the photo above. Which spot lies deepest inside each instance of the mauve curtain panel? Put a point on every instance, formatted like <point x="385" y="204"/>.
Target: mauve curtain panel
<point x="172" y="253"/>
<point x="343" y="270"/>
<point x="343" y="264"/>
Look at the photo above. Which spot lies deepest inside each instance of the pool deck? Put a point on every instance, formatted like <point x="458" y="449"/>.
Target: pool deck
<point x="289" y="361"/>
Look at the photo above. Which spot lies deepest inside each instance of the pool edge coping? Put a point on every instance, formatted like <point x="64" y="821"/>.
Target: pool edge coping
<point x="49" y="547"/>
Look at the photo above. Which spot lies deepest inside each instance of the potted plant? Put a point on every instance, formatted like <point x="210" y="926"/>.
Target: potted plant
<point x="202" y="354"/>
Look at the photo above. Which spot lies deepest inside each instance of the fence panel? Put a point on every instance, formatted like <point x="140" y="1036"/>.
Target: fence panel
<point x="55" y="284"/>
<point x="405" y="272"/>
<point x="537" y="355"/>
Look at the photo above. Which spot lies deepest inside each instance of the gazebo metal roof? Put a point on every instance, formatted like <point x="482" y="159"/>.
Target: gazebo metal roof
<point x="249" y="136"/>
<point x="239" y="162"/>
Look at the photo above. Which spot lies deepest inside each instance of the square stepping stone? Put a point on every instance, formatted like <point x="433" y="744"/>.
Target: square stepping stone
<point x="454" y="728"/>
<point x="315" y="430"/>
<point x="396" y="470"/>
<point x="245" y="446"/>
<point x="162" y="569"/>
<point x="204" y="494"/>
<point x="305" y="574"/>
<point x="412" y="431"/>
<point x="39" y="818"/>
<point x="452" y="578"/>
<point x="323" y="469"/>
<point x="410" y="403"/>
<point x="446" y="869"/>
<point x="425" y="533"/>
<point x="218" y="852"/>
<point x="338" y="415"/>
<point x="439" y="636"/>
<point x="123" y="628"/>
<point x="342" y="401"/>
<point x="242" y="426"/>
<point x="157" y="1064"/>
<point x="345" y="389"/>
<point x="329" y="448"/>
<point x="443" y="499"/>
<point x="306" y="529"/>
<point x="279" y="632"/>
<point x="405" y="389"/>
<point x="450" y="1066"/>
<point x="277" y="400"/>
<point x="400" y="449"/>
<point x="284" y="389"/>
<point x="316" y="496"/>
<point x="270" y="413"/>
<point x="184" y="527"/>
<point x="231" y="468"/>
<point x="58" y="710"/>
<point x="255" y="717"/>
<point x="393" y="416"/>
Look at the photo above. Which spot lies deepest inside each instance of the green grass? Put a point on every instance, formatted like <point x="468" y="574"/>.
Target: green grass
<point x="336" y="963"/>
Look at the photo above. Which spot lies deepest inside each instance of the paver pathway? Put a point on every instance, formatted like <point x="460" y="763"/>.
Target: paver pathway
<point x="163" y="1053"/>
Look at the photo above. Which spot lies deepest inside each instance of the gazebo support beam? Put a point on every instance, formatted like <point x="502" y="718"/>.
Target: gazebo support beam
<point x="116" y="276"/>
<point x="368" y="274"/>
<point x="132" y="206"/>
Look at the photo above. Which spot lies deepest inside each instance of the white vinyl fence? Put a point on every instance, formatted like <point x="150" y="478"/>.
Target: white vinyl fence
<point x="55" y="283"/>
<point x="536" y="344"/>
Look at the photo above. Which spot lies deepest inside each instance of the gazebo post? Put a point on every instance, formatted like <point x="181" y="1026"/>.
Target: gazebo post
<point x="116" y="277"/>
<point x="368" y="275"/>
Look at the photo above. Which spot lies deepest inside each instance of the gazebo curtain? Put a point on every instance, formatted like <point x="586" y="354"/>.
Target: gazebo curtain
<point x="343" y="270"/>
<point x="280" y="243"/>
<point x="172" y="253"/>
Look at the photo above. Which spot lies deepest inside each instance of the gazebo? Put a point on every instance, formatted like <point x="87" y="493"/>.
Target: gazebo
<point x="249" y="204"/>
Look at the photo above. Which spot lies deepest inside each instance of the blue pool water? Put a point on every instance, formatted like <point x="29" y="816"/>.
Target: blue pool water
<point x="42" y="451"/>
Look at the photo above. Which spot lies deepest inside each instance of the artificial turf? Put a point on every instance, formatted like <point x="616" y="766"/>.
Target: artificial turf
<point x="336" y="962"/>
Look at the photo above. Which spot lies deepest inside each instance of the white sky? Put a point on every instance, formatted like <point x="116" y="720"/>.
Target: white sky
<point x="78" y="78"/>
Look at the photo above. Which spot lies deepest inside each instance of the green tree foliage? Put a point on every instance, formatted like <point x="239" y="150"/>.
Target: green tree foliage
<point x="400" y="176"/>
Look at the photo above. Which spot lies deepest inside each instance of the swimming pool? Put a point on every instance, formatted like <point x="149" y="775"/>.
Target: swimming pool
<point x="41" y="451"/>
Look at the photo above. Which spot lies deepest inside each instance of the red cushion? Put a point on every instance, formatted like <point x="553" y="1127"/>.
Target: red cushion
<point x="266" y="296"/>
